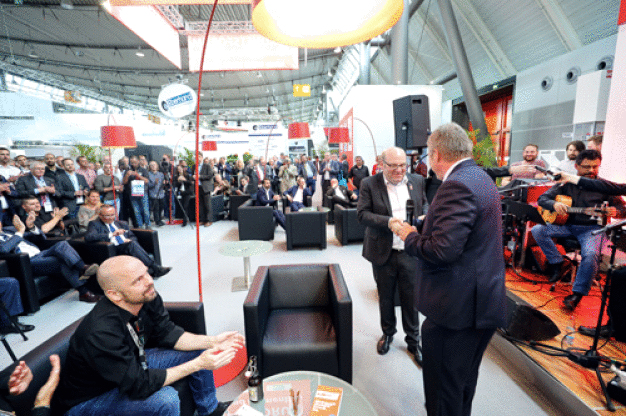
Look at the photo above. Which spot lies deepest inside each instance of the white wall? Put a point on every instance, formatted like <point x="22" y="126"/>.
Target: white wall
<point x="374" y="105"/>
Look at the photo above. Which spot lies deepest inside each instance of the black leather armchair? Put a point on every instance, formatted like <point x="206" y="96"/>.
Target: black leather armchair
<point x="100" y="251"/>
<point x="189" y="315"/>
<point x="235" y="202"/>
<point x="308" y="202"/>
<point x="306" y="228"/>
<point x="347" y="225"/>
<point x="299" y="317"/>
<point x="256" y="223"/>
<point x="217" y="208"/>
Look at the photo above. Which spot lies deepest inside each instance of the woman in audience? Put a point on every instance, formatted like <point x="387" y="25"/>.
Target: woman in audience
<point x="89" y="210"/>
<point x="221" y="186"/>
<point x="183" y="186"/>
<point x="156" y="192"/>
<point x="236" y="172"/>
<point x="287" y="174"/>
<point x="378" y="167"/>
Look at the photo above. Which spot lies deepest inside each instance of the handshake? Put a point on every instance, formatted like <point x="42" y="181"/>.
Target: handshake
<point x="402" y="229"/>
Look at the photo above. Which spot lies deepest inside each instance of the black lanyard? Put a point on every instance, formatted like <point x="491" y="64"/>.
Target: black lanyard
<point x="138" y="337"/>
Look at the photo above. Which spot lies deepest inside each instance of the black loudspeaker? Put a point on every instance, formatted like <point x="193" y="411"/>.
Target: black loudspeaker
<point x="411" y="121"/>
<point x="529" y="324"/>
<point x="617" y="306"/>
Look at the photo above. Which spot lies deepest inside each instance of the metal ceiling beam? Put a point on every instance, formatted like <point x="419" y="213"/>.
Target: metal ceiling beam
<point x="561" y="24"/>
<point x="439" y="42"/>
<point x="486" y="39"/>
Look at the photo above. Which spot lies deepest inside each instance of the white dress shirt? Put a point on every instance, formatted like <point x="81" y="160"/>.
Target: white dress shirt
<point x="398" y="195"/>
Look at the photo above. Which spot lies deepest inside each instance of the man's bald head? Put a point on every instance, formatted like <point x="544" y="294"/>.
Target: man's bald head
<point x="112" y="269"/>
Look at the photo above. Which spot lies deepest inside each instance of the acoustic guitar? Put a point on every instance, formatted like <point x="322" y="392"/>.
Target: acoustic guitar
<point x="551" y="217"/>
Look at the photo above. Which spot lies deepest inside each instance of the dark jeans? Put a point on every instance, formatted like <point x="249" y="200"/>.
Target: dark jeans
<point x="156" y="207"/>
<point x="310" y="183"/>
<point x="398" y="272"/>
<point x="133" y="249"/>
<point x="164" y="402"/>
<point x="10" y="298"/>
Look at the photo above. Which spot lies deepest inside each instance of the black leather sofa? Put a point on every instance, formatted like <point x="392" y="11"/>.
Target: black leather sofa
<point x="347" y="226"/>
<point x="255" y="222"/>
<point x="306" y="228"/>
<point x="189" y="315"/>
<point x="299" y="317"/>
<point x="235" y="202"/>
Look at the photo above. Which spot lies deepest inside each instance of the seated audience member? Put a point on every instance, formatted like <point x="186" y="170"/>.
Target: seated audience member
<point x="297" y="195"/>
<point x="341" y="195"/>
<point x="580" y="226"/>
<point x="595" y="143"/>
<point x="571" y="151"/>
<point x="71" y="188"/>
<point x="60" y="259"/>
<point x="220" y="187"/>
<point x="89" y="210"/>
<point x="530" y="153"/>
<point x="357" y="173"/>
<point x="35" y="219"/>
<point x="108" y="371"/>
<point x="39" y="185"/>
<point x="106" y="228"/>
<point x="245" y="187"/>
<point x="19" y="381"/>
<point x="102" y="184"/>
<point x="265" y="196"/>
<point x="12" y="303"/>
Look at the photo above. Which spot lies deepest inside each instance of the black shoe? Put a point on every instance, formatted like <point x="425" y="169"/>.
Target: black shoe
<point x="220" y="409"/>
<point x="554" y="272"/>
<point x="416" y="351"/>
<point x="570" y="302"/>
<point x="160" y="271"/>
<point x="605" y="331"/>
<point x="12" y="330"/>
<point x="383" y="344"/>
<point x="89" y="297"/>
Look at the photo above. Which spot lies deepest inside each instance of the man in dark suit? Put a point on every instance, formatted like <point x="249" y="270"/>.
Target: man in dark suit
<point x="71" y="188"/>
<point x="297" y="195"/>
<point x="384" y="197"/>
<point x="460" y="272"/>
<point x="341" y="195"/>
<point x="39" y="185"/>
<point x="245" y="187"/>
<point x="106" y="228"/>
<point x="206" y="175"/>
<point x="308" y="171"/>
<point x="329" y="169"/>
<point x="265" y="196"/>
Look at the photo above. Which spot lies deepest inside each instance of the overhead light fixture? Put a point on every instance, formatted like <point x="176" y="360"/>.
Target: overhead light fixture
<point x="298" y="131"/>
<point x="324" y="23"/>
<point x="338" y="49"/>
<point x="32" y="53"/>
<point x="67" y="4"/>
<point x="139" y="52"/>
<point x="258" y="74"/>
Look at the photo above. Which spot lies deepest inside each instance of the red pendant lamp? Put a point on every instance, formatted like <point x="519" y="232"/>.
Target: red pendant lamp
<point x="338" y="135"/>
<point x="209" y="146"/>
<point x="299" y="131"/>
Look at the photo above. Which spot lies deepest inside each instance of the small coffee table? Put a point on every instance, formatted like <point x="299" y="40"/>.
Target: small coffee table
<point x="353" y="403"/>
<point x="310" y="209"/>
<point x="245" y="249"/>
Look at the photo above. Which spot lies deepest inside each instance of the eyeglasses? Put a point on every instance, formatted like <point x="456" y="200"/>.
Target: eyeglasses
<point x="395" y="166"/>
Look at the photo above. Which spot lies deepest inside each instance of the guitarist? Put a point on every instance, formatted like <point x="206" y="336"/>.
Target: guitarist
<point x="577" y="225"/>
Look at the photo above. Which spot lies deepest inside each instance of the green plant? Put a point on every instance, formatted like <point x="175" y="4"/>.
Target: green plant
<point x="232" y="158"/>
<point x="92" y="153"/>
<point x="188" y="156"/>
<point x="484" y="149"/>
<point x="321" y="150"/>
<point x="247" y="156"/>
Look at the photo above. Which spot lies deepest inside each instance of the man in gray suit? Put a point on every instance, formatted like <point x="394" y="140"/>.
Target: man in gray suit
<point x="206" y="176"/>
<point x="460" y="272"/>
<point x="384" y="197"/>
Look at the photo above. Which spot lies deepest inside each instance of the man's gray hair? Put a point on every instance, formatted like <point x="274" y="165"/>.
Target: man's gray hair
<point x="451" y="141"/>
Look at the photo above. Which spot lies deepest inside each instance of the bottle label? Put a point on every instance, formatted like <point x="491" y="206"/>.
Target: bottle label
<point x="253" y="392"/>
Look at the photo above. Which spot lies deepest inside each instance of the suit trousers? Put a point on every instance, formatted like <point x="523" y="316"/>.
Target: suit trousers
<point x="398" y="272"/>
<point x="10" y="298"/>
<point x="132" y="248"/>
<point x="450" y="369"/>
<point x="62" y="259"/>
<point x="205" y="206"/>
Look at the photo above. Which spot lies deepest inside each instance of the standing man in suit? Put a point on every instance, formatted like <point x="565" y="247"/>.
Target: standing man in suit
<point x="107" y="229"/>
<point x="329" y="170"/>
<point x="460" y="272"/>
<point x="383" y="198"/>
<point x="206" y="175"/>
<point x="308" y="171"/>
<point x="72" y="188"/>
<point x="39" y="185"/>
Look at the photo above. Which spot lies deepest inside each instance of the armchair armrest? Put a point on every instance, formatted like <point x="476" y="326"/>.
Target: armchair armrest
<point x="19" y="267"/>
<point x="188" y="315"/>
<point x="256" y="309"/>
<point x="149" y="240"/>
<point x="4" y="269"/>
<point x="95" y="252"/>
<point x="342" y="315"/>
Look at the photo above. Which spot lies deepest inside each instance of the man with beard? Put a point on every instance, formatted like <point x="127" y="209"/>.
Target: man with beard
<point x="51" y="166"/>
<point x="580" y="226"/>
<point x="531" y="151"/>
<point x="109" y="372"/>
<point x="571" y="151"/>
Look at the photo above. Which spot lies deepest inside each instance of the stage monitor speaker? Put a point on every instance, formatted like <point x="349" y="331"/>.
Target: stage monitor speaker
<point x="528" y="324"/>
<point x="411" y="121"/>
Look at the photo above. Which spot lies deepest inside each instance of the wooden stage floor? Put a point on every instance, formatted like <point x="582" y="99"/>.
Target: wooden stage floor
<point x="581" y="381"/>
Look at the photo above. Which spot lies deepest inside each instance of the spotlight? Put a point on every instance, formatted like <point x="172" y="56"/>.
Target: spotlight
<point x="139" y="52"/>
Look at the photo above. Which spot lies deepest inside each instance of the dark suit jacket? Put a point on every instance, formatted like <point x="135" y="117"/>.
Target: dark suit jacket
<point x="374" y="211"/>
<point x="99" y="231"/>
<point x="206" y="175"/>
<point x="335" y="167"/>
<point x="292" y="192"/>
<point x="460" y="273"/>
<point x="26" y="186"/>
<point x="261" y="198"/>
<point x="65" y="189"/>
<point x="347" y="194"/>
<point x="302" y="170"/>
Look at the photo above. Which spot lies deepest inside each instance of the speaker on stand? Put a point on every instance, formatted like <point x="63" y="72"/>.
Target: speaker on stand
<point x="411" y="121"/>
